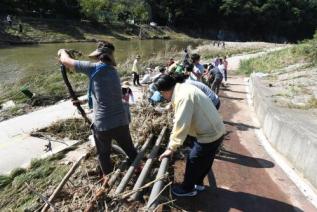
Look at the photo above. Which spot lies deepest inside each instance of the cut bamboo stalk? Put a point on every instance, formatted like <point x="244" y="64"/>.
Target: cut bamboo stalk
<point x="135" y="163"/>
<point x="147" y="165"/>
<point x="157" y="187"/>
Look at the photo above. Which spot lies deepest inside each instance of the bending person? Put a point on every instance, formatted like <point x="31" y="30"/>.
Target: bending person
<point x="194" y="116"/>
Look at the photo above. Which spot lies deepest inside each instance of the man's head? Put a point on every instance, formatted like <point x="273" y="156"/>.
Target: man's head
<point x="220" y="61"/>
<point x="165" y="85"/>
<point x="195" y="58"/>
<point x="138" y="57"/>
<point x="188" y="68"/>
<point x="162" y="70"/>
<point x="104" y="53"/>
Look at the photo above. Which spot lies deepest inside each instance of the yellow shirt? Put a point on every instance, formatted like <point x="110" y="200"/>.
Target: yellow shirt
<point x="135" y="67"/>
<point x="195" y="115"/>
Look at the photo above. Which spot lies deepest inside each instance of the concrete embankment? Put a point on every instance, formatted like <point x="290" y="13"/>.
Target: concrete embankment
<point x="292" y="133"/>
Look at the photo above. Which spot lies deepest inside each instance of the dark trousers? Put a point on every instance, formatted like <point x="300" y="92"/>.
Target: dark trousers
<point x="225" y="72"/>
<point x="216" y="85"/>
<point x="218" y="105"/>
<point x="199" y="162"/>
<point x="136" y="79"/>
<point x="103" y="140"/>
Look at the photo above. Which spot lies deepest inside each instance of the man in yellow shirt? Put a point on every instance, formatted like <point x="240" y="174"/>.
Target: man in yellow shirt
<point x="136" y="71"/>
<point x="195" y="115"/>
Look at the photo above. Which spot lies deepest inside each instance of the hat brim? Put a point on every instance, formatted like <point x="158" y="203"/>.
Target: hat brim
<point x="94" y="53"/>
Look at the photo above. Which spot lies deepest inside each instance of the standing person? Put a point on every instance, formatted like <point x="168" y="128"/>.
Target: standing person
<point x="225" y="63"/>
<point x="198" y="68"/>
<point x="186" y="58"/>
<point x="127" y="94"/>
<point x="196" y="116"/>
<point x="221" y="67"/>
<point x="216" y="61"/>
<point x="110" y="121"/>
<point x="136" y="71"/>
<point x="9" y="20"/>
<point x="216" y="74"/>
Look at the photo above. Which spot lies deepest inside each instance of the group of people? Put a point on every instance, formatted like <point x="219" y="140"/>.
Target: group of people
<point x="194" y="103"/>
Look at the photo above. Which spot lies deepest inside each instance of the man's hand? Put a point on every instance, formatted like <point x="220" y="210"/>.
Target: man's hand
<point x="78" y="102"/>
<point x="167" y="153"/>
<point x="59" y="52"/>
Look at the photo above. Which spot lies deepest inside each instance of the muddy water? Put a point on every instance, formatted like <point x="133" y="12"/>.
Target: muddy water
<point x="32" y="60"/>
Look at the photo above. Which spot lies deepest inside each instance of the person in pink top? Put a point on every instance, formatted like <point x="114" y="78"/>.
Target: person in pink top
<point x="126" y="95"/>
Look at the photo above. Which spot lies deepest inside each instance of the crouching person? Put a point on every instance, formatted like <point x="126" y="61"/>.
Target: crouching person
<point x="110" y="121"/>
<point x="195" y="116"/>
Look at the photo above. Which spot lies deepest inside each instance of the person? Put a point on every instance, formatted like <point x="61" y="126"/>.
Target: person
<point x="216" y="61"/>
<point x="127" y="94"/>
<point x="186" y="58"/>
<point x="225" y="63"/>
<point x="221" y="68"/>
<point x="136" y="71"/>
<point x="161" y="71"/>
<point x="196" y="116"/>
<point x="217" y="77"/>
<point x="183" y="78"/>
<point x="110" y="121"/>
<point x="153" y="95"/>
<point x="170" y="62"/>
<point x="20" y="28"/>
<point x="9" y="20"/>
<point x="147" y="77"/>
<point x="198" y="70"/>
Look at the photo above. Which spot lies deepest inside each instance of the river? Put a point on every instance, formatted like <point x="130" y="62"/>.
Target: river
<point x="17" y="62"/>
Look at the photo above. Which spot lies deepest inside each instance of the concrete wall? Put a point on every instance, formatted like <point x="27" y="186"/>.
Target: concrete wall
<point x="294" y="138"/>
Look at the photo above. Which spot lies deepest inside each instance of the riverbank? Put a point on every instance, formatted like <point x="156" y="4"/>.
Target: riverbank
<point x="49" y="88"/>
<point x="40" y="30"/>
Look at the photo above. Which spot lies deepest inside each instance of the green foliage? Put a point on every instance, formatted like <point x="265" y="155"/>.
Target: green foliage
<point x="42" y="174"/>
<point x="269" y="19"/>
<point x="306" y="51"/>
<point x="95" y="9"/>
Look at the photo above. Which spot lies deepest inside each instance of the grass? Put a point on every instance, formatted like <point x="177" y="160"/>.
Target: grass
<point x="208" y="50"/>
<point x="303" y="52"/>
<point x="42" y="174"/>
<point x="73" y="129"/>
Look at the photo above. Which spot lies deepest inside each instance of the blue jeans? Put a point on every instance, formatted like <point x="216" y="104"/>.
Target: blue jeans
<point x="199" y="162"/>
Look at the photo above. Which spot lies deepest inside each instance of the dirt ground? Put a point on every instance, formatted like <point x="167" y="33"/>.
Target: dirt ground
<point x="245" y="177"/>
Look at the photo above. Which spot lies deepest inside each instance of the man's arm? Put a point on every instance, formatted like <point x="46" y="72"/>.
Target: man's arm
<point x="183" y="117"/>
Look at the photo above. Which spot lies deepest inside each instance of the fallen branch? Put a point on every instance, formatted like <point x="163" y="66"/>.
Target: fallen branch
<point x="64" y="180"/>
<point x="43" y="198"/>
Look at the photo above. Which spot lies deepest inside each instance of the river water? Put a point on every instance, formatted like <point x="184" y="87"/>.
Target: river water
<point x="17" y="62"/>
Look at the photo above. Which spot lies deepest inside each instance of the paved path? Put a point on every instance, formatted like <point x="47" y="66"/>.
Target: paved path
<point x="18" y="148"/>
<point x="247" y="178"/>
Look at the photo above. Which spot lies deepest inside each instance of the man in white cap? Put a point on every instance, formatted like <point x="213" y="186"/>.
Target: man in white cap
<point x="136" y="71"/>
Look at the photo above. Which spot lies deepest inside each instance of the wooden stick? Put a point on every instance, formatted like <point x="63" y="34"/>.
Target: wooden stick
<point x="43" y="198"/>
<point x="64" y="180"/>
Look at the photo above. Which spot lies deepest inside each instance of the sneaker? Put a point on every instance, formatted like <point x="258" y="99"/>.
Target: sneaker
<point x="200" y="187"/>
<point x="180" y="192"/>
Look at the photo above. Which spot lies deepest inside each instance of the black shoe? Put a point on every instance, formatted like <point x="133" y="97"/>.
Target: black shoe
<point x="180" y="192"/>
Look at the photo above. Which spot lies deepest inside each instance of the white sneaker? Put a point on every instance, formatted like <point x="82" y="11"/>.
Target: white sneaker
<point x="200" y="187"/>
